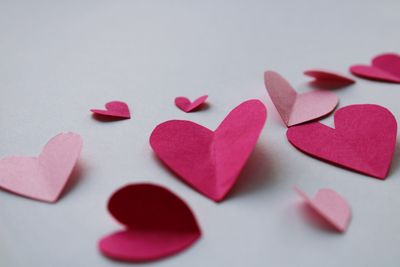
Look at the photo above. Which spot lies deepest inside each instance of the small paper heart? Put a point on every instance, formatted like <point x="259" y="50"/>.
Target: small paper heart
<point x="186" y="105"/>
<point x="116" y="109"/>
<point x="331" y="206"/>
<point x="385" y="67"/>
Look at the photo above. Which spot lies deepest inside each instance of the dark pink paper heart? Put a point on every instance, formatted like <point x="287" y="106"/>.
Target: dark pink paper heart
<point x="385" y="67"/>
<point x="117" y="109"/>
<point x="210" y="161"/>
<point x="186" y="105"/>
<point x="328" y="76"/>
<point x="363" y="139"/>
<point x="158" y="224"/>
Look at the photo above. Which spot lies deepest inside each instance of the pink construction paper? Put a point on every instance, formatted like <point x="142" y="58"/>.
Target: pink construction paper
<point x="43" y="177"/>
<point x="330" y="206"/>
<point x="158" y="224"/>
<point x="326" y="75"/>
<point x="363" y="139"/>
<point x="297" y="108"/>
<point x="210" y="161"/>
<point x="184" y="103"/>
<point x="385" y="67"/>
<point x="117" y="109"/>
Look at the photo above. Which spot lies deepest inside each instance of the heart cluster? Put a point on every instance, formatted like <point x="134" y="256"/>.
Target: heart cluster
<point x="157" y="223"/>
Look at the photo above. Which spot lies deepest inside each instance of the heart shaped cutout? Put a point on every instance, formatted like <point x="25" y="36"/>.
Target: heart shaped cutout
<point x="329" y="76"/>
<point x="186" y="105"/>
<point x="385" y="67"/>
<point x="116" y="109"/>
<point x="42" y="178"/>
<point x="297" y="108"/>
<point x="210" y="161"/>
<point x="363" y="139"/>
<point x="158" y="224"/>
<point x="331" y="206"/>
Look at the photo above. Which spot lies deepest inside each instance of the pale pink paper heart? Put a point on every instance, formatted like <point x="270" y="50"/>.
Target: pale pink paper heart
<point x="363" y="140"/>
<point x="158" y="224"/>
<point x="330" y="206"/>
<point x="210" y="161"/>
<point x="186" y="105"/>
<point x="385" y="67"/>
<point x="329" y="76"/>
<point x="117" y="109"/>
<point x="42" y="178"/>
<point x="297" y="108"/>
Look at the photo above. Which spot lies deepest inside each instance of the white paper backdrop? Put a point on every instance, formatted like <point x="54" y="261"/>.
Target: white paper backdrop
<point x="58" y="59"/>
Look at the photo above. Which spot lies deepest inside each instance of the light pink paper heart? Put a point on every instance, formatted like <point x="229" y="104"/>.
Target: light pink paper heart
<point x="385" y="67"/>
<point x="329" y="76"/>
<point x="184" y="103"/>
<point x="297" y="108"/>
<point x="117" y="109"/>
<point x="42" y="178"/>
<point x="158" y="224"/>
<point x="330" y="206"/>
<point x="210" y="161"/>
<point x="363" y="139"/>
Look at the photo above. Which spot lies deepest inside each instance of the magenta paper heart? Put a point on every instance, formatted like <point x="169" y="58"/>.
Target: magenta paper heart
<point x="184" y="104"/>
<point x="115" y="109"/>
<point x="330" y="206"/>
<point x="363" y="140"/>
<point x="158" y="224"/>
<point x="42" y="178"/>
<point x="329" y="76"/>
<point x="385" y="67"/>
<point x="297" y="108"/>
<point x="210" y="161"/>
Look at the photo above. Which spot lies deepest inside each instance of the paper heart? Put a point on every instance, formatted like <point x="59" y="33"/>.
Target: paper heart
<point x="158" y="224"/>
<point x="331" y="206"/>
<point x="116" y="109"/>
<point x="329" y="76"/>
<point x="297" y="108"/>
<point x="385" y="67"/>
<point x="42" y="178"/>
<point x="184" y="104"/>
<point x="210" y="161"/>
<point x="363" y="139"/>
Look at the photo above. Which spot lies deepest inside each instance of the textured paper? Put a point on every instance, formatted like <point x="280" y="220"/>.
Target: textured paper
<point x="297" y="108"/>
<point x="363" y="140"/>
<point x="329" y="76"/>
<point x="157" y="224"/>
<point x="210" y="161"/>
<point x="186" y="105"/>
<point x="331" y="206"/>
<point x="385" y="67"/>
<point x="43" y="177"/>
<point x="116" y="109"/>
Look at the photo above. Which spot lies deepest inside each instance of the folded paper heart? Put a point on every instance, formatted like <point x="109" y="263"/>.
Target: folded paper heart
<point x="363" y="140"/>
<point x="184" y="104"/>
<point x="210" y="161"/>
<point x="385" y="67"/>
<point x="116" y="109"/>
<point x="158" y="224"/>
<point x="42" y="178"/>
<point x="329" y="76"/>
<point x="332" y="207"/>
<point x="297" y="108"/>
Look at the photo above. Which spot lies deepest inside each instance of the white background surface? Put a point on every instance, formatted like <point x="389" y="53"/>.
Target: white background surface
<point x="58" y="59"/>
